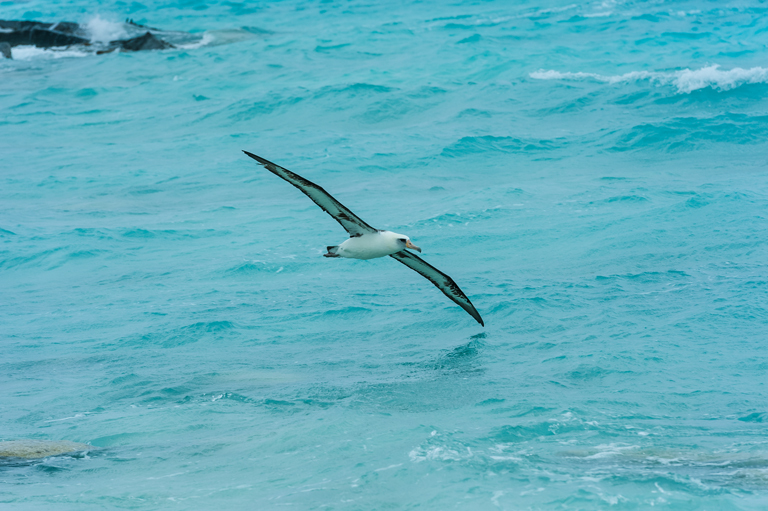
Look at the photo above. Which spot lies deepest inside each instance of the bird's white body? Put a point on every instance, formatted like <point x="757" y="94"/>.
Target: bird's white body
<point x="372" y="245"/>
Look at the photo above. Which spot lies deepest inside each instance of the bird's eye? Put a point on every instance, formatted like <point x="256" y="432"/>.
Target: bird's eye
<point x="404" y="240"/>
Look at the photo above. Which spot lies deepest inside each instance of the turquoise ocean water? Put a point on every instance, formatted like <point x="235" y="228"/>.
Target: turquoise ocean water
<point x="592" y="174"/>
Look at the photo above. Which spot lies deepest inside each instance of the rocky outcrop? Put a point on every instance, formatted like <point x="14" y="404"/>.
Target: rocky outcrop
<point x="141" y="43"/>
<point x="42" y="35"/>
<point x="31" y="449"/>
<point x="64" y="34"/>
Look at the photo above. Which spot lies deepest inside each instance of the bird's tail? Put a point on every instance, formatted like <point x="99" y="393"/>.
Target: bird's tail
<point x="332" y="252"/>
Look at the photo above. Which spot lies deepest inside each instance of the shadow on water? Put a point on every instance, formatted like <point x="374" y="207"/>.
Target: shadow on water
<point x="433" y="383"/>
<point x="465" y="358"/>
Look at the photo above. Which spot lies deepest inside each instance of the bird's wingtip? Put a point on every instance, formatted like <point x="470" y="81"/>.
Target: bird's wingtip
<point x="257" y="158"/>
<point x="473" y="312"/>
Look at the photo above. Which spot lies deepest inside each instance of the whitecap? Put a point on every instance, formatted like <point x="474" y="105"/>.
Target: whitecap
<point x="627" y="77"/>
<point x="27" y="52"/>
<point x="207" y="39"/>
<point x="685" y="80"/>
<point x="437" y="453"/>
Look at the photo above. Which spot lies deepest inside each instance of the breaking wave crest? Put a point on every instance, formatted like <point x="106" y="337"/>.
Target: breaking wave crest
<point x="101" y="30"/>
<point x="686" y="80"/>
<point x="28" y="52"/>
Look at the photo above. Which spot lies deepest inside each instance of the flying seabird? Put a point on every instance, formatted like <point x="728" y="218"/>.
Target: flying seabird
<point x="365" y="242"/>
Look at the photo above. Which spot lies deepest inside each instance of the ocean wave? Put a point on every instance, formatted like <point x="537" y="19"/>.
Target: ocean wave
<point x="686" y="80"/>
<point x="691" y="133"/>
<point x="488" y="143"/>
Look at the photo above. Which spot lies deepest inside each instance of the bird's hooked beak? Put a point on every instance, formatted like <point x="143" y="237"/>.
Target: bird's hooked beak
<point x="408" y="244"/>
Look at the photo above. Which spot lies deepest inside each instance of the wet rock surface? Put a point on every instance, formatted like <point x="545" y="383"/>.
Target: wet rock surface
<point x="31" y="449"/>
<point x="42" y="35"/>
<point x="142" y="43"/>
<point x="66" y="34"/>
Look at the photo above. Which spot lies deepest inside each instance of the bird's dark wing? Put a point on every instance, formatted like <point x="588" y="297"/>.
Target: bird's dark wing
<point x="348" y="220"/>
<point x="440" y="279"/>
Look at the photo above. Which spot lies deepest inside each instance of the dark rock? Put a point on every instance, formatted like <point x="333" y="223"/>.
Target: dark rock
<point x="141" y="43"/>
<point x="66" y="27"/>
<point x="65" y="33"/>
<point x="22" y="25"/>
<point x="5" y="50"/>
<point x="129" y="21"/>
<point x="50" y="38"/>
<point x="42" y="35"/>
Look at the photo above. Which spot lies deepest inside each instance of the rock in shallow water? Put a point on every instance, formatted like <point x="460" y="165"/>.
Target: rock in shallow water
<point x="65" y="34"/>
<point x="141" y="43"/>
<point x="30" y="449"/>
<point x="42" y="35"/>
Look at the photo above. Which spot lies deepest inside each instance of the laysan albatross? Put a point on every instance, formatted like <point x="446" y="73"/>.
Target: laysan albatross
<point x="365" y="242"/>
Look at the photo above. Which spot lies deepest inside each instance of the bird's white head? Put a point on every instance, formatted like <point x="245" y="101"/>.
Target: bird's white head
<point x="400" y="240"/>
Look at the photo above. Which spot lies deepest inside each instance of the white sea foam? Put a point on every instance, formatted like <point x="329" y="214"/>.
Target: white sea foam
<point x="104" y="31"/>
<point x="551" y="10"/>
<point x="557" y="75"/>
<point x="33" y="52"/>
<point x="685" y="80"/>
<point x="207" y="39"/>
